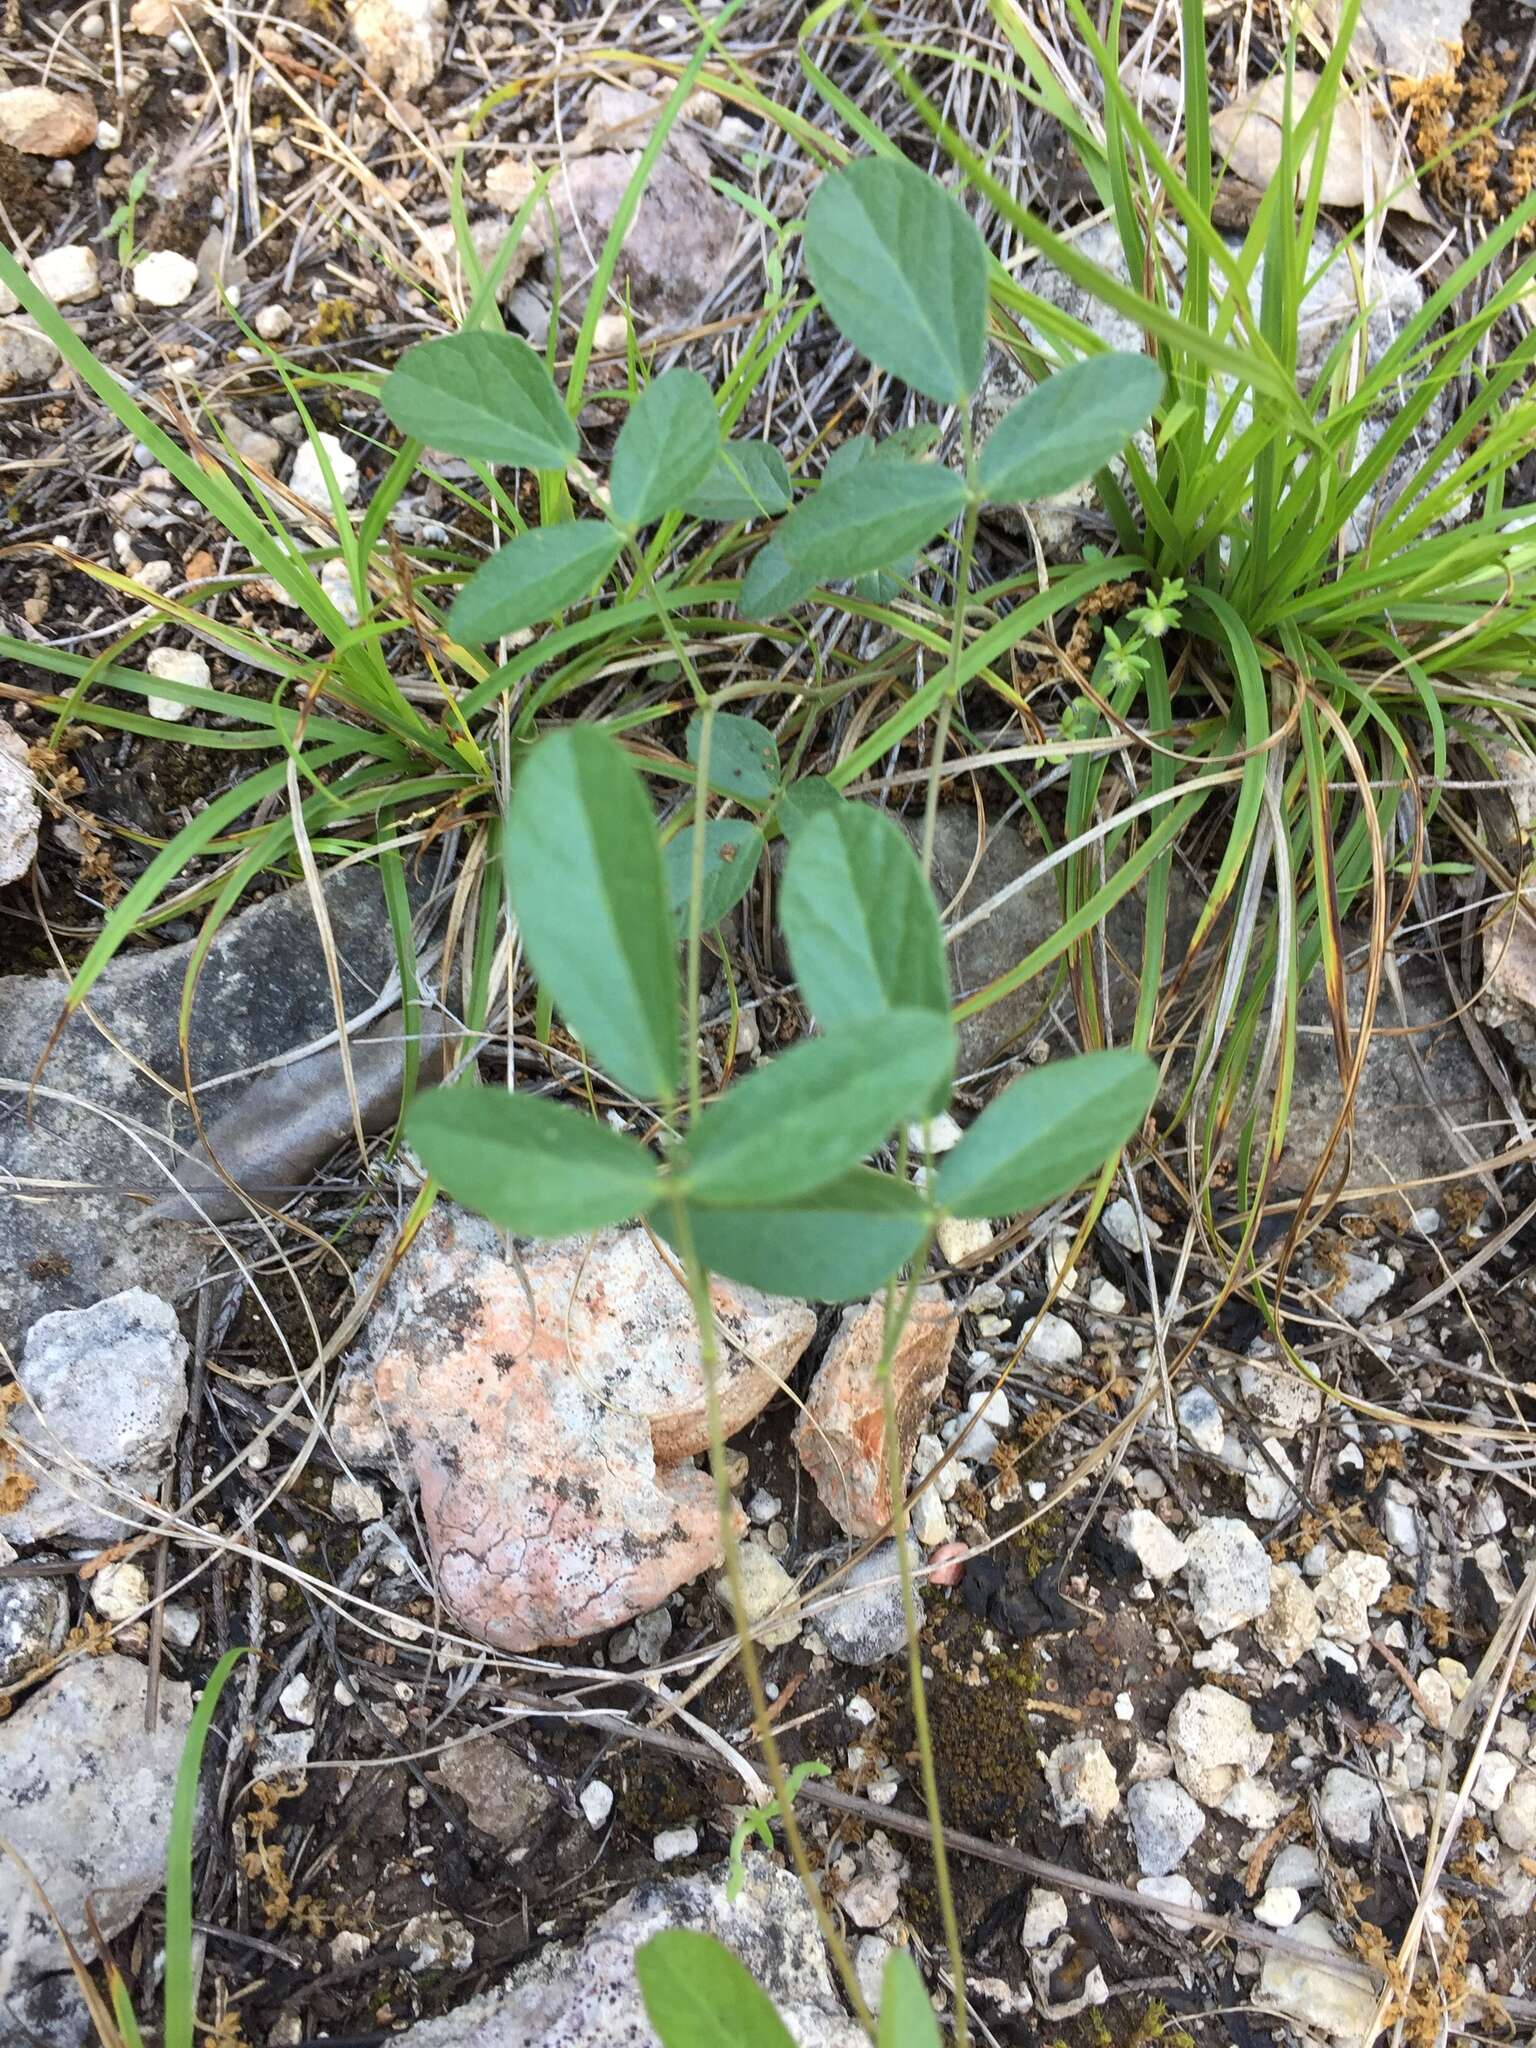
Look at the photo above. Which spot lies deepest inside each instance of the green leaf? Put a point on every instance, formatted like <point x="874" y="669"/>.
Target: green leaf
<point x="749" y="480"/>
<point x="860" y="920"/>
<point x="805" y="800"/>
<point x="837" y="1243"/>
<point x="585" y="879"/>
<point x="743" y="757"/>
<point x="732" y="850"/>
<point x="902" y="269"/>
<point x="487" y="397"/>
<point x="532" y="1166"/>
<point x="773" y="583"/>
<point x="869" y="517"/>
<point x="666" y="448"/>
<point x="1046" y="1132"/>
<point x="1066" y="428"/>
<point x="697" y="1995"/>
<point x="906" y="2017"/>
<point x="535" y="575"/>
<point x="804" y="1118"/>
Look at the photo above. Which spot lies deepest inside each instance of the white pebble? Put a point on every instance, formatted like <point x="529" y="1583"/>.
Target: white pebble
<point x="164" y="278"/>
<point x="297" y="1700"/>
<point x="120" y="1591"/>
<point x="672" y="1843"/>
<point x="1279" y="1906"/>
<point x="176" y="665"/>
<point x="597" y="1802"/>
<point x="69" y="275"/>
<point x="273" y="322"/>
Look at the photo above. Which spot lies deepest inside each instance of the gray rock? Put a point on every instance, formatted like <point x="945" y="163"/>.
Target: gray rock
<point x="1227" y="1571"/>
<point x="1165" y="1822"/>
<point x="85" y="1796"/>
<point x="106" y="1390"/>
<point x="1348" y="1805"/>
<point x="74" y="1146"/>
<point x="677" y="253"/>
<point x="34" y="1619"/>
<point x="1418" y="1093"/>
<point x="1339" y="2002"/>
<point x="26" y="356"/>
<point x="585" y="1995"/>
<point x="1297" y="1867"/>
<point x="47" y="2013"/>
<point x="864" y="1624"/>
<point x="505" y="1797"/>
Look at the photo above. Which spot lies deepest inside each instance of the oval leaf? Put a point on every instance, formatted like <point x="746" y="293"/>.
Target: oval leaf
<point x="869" y="517"/>
<point x="837" y="1243"/>
<point x="534" y="576"/>
<point x="732" y="850"/>
<point x="697" y="1995"/>
<point x="906" y="2016"/>
<point x="860" y="919"/>
<point x="743" y="757"/>
<point x="531" y="1166"/>
<point x="749" y="480"/>
<point x="773" y="583"/>
<point x="1046" y="1132"/>
<point x="585" y="878"/>
<point x="666" y="448"/>
<point x="804" y="801"/>
<point x="902" y="269"/>
<point x="487" y="397"/>
<point x="1068" y="427"/>
<point x="804" y="1118"/>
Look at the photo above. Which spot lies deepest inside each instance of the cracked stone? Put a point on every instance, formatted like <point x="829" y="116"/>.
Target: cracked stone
<point x="546" y="1410"/>
<point x="841" y="1432"/>
<point x="1346" y="1593"/>
<point x="1215" y="1744"/>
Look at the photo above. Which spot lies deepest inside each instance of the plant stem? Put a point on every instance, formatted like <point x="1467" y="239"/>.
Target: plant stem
<point x="709" y="1357"/>
<point x="956" y="644"/>
<point x="897" y="1313"/>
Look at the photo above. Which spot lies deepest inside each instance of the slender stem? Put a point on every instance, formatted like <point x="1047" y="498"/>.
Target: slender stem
<point x="956" y="646"/>
<point x="704" y="1315"/>
<point x="898" y="1310"/>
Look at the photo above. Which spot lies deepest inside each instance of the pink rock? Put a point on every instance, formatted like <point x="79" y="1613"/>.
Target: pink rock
<point x="841" y="1434"/>
<point x="41" y="122"/>
<point x="946" y="1565"/>
<point x="547" y="1408"/>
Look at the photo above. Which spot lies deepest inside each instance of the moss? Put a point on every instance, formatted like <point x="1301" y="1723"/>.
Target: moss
<point x="335" y="320"/>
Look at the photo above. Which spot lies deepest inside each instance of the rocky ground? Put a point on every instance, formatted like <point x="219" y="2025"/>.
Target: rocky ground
<point x="1226" y="1647"/>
